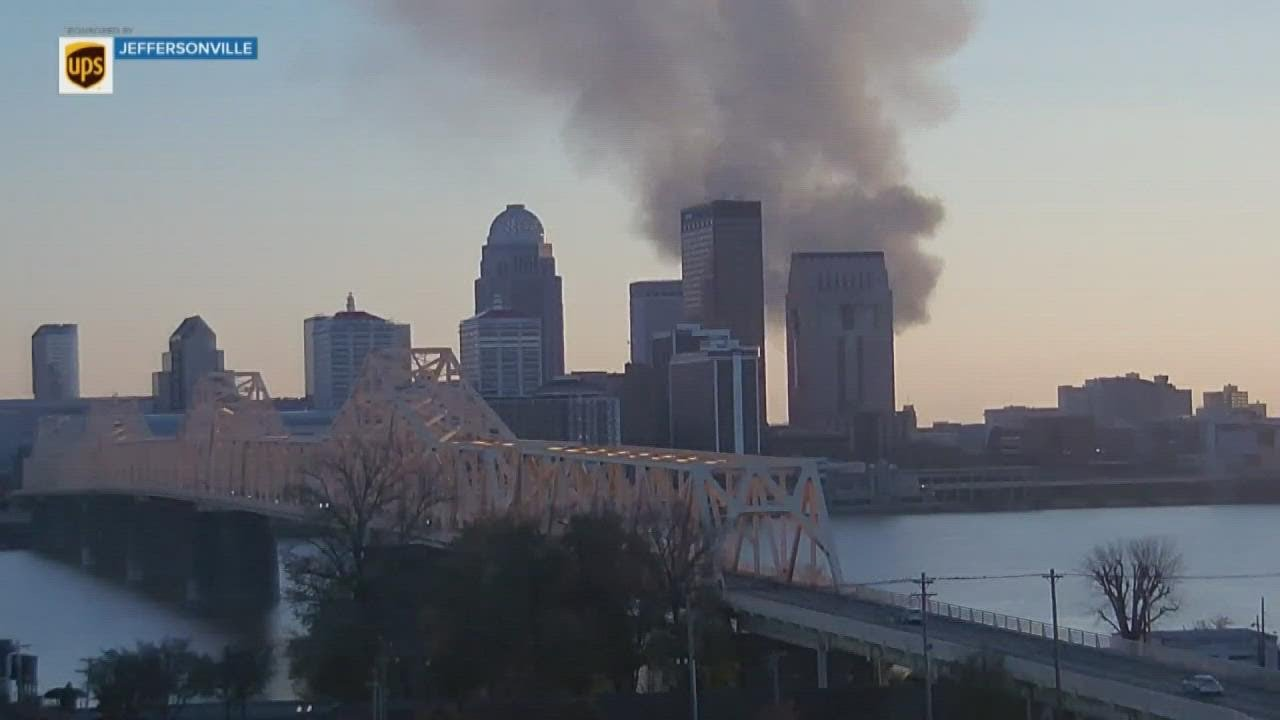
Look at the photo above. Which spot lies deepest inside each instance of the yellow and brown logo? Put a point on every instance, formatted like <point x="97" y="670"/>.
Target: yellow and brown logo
<point x="86" y="65"/>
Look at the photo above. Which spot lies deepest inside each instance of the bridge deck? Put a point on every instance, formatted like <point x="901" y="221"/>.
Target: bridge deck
<point x="1125" y="681"/>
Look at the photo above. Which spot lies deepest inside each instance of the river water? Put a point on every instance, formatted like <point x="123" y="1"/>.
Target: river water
<point x="66" y="615"/>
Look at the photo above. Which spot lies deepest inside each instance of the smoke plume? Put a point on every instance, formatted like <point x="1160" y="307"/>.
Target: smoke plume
<point x="792" y="102"/>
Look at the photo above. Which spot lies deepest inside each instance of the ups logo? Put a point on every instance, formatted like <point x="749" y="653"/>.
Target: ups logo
<point x="85" y="63"/>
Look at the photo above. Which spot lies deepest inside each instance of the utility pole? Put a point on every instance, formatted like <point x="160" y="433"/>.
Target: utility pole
<point x="1057" y="662"/>
<point x="924" y="639"/>
<point x="1262" y="645"/>
<point x="1266" y="649"/>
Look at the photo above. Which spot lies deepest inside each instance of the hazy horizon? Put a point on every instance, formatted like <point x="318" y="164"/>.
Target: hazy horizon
<point x="1108" y="176"/>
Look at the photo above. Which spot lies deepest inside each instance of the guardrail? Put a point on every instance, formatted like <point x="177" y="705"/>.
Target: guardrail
<point x="1012" y="623"/>
<point x="1185" y="660"/>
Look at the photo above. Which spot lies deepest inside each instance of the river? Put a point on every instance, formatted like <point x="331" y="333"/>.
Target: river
<point x="66" y="615"/>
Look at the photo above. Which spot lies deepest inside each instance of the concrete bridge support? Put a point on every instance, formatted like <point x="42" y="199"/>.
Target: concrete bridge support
<point x="217" y="561"/>
<point x="823" y="650"/>
<point x="56" y="528"/>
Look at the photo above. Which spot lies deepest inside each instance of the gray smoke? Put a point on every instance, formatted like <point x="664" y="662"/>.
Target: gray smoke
<point x="792" y="102"/>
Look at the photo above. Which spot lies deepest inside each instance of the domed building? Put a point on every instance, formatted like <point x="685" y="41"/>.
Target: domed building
<point x="518" y="273"/>
<point x="516" y="226"/>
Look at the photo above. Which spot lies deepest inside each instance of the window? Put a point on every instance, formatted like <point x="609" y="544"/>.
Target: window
<point x="848" y="319"/>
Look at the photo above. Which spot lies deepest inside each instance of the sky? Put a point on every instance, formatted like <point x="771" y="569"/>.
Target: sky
<point x="1108" y="171"/>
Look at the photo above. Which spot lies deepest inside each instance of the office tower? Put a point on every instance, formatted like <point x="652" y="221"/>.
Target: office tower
<point x="501" y="352"/>
<point x="570" y="408"/>
<point x="722" y="270"/>
<point x="714" y="398"/>
<point x="335" y="348"/>
<point x="1127" y="401"/>
<point x="193" y="353"/>
<point x="839" y="315"/>
<point x="643" y="406"/>
<point x="518" y="268"/>
<point x="656" y="307"/>
<point x="55" y="362"/>
<point x="683" y="338"/>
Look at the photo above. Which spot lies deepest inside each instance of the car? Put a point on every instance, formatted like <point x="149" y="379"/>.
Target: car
<point x="1202" y="685"/>
<point x="910" y="616"/>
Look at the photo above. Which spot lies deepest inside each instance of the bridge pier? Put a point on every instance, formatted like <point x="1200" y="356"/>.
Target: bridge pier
<point x="235" y="561"/>
<point x="56" y="528"/>
<point x="215" y="560"/>
<point x="875" y="655"/>
<point x="133" y="568"/>
<point x="823" y="652"/>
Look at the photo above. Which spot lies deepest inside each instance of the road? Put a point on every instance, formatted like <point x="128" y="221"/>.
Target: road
<point x="1253" y="701"/>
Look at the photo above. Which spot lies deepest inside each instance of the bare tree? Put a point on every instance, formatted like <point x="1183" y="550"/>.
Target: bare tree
<point x="683" y="549"/>
<point x="1138" y="579"/>
<point x="1218" y="622"/>
<point x="367" y="488"/>
<point x="372" y="492"/>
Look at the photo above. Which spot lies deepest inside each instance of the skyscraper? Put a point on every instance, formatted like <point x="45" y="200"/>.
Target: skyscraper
<point x="840" y="347"/>
<point x="55" y="362"/>
<point x="335" y="348"/>
<point x="722" y="270"/>
<point x="501" y="352"/>
<point x="518" y="270"/>
<point x="193" y="353"/>
<point x="714" y="398"/>
<point x="656" y="307"/>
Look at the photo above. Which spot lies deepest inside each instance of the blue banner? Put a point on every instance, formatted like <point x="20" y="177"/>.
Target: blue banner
<point x="186" y="48"/>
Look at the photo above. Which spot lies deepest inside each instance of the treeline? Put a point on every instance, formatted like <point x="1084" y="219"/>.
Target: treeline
<point x="511" y="611"/>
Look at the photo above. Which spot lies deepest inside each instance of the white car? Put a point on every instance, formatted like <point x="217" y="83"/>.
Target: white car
<point x="1202" y="685"/>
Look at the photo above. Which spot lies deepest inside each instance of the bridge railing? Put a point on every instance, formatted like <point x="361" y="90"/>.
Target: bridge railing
<point x="1012" y="623"/>
<point x="1191" y="662"/>
<point x="1069" y="635"/>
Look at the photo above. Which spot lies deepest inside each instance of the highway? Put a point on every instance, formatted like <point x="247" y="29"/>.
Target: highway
<point x="1253" y="702"/>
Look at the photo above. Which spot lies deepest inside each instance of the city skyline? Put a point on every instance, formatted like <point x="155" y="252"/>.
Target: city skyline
<point x="1062" y="206"/>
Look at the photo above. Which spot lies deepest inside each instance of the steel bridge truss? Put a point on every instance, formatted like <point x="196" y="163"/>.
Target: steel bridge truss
<point x="767" y="516"/>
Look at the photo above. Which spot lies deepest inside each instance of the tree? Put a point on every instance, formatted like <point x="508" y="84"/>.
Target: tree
<point x="1138" y="579"/>
<point x="684" y="551"/>
<point x="979" y="688"/>
<point x="371" y="486"/>
<point x="153" y="679"/>
<point x="1218" y="622"/>
<point x="237" y="676"/>
<point x="371" y="490"/>
<point x="501" y="630"/>
<point x="611" y="585"/>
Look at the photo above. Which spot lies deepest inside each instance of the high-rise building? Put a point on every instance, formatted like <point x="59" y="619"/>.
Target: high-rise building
<point x="656" y="307"/>
<point x="1127" y="401"/>
<point x="714" y="398"/>
<point x="335" y="348"/>
<point x="501" y="352"/>
<point x="839" y="318"/>
<point x="55" y="362"/>
<point x="193" y="353"/>
<point x="570" y="408"/>
<point x="722" y="270"/>
<point x="518" y="269"/>
<point x="1231" y="400"/>
<point x="683" y="338"/>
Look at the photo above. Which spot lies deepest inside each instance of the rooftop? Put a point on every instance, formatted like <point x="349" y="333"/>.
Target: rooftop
<point x="836" y="254"/>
